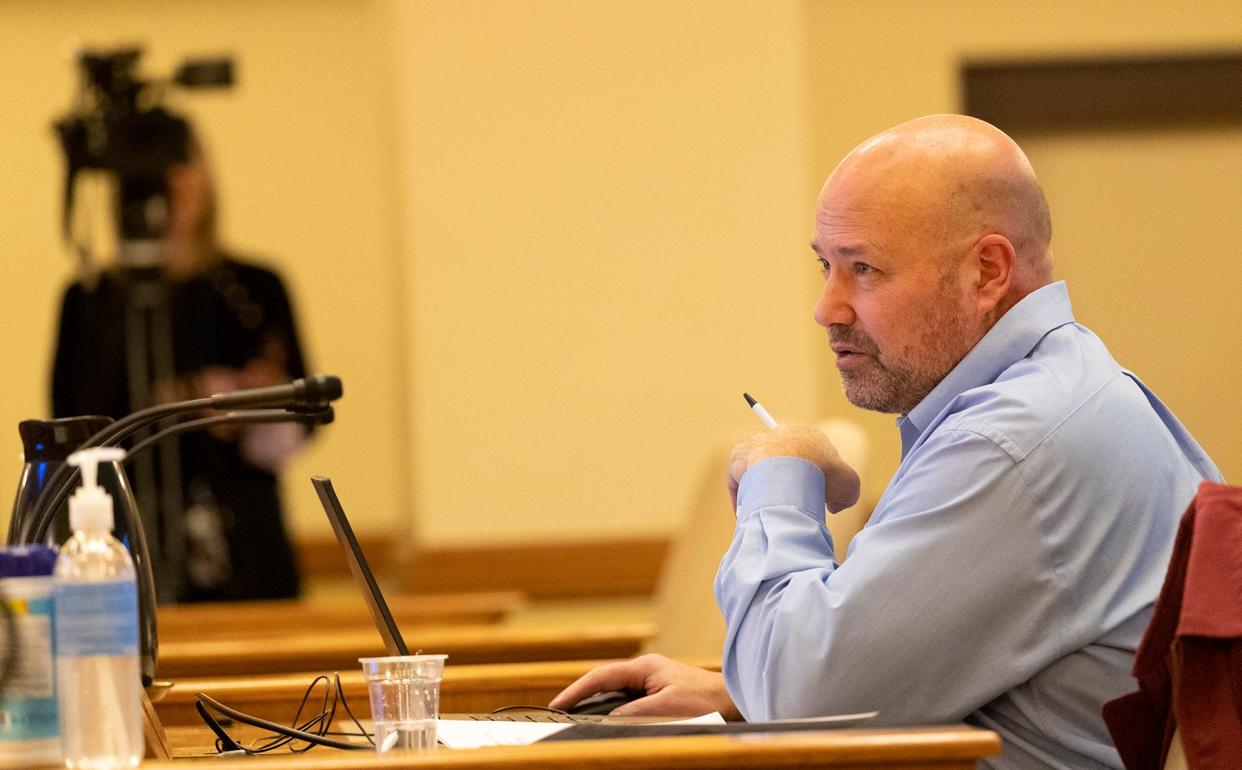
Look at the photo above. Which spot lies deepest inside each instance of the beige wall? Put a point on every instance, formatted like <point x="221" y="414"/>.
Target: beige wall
<point x="601" y="201"/>
<point x="547" y="243"/>
<point x="874" y="64"/>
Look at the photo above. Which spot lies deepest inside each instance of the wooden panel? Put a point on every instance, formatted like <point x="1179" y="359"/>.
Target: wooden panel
<point x="323" y="557"/>
<point x="340" y="650"/>
<point x="267" y="618"/>
<point x="542" y="570"/>
<point x="940" y="747"/>
<point x="1105" y="92"/>
<point x="629" y="567"/>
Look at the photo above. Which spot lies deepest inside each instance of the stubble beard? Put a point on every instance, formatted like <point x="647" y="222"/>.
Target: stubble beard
<point x="896" y="384"/>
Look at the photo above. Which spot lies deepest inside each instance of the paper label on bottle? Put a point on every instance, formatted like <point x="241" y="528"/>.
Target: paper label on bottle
<point x="97" y="618"/>
<point x="28" y="707"/>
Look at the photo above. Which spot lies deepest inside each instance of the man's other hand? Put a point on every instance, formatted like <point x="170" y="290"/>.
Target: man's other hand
<point x="841" y="483"/>
<point x="673" y="689"/>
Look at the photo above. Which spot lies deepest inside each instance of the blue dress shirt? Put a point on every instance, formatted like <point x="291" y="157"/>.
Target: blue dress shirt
<point x="1006" y="575"/>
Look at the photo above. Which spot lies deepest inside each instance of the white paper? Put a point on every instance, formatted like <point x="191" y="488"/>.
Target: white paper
<point x="471" y="734"/>
<point x="713" y="718"/>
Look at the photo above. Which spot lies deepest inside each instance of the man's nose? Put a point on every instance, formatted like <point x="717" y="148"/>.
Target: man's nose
<point x="834" y="305"/>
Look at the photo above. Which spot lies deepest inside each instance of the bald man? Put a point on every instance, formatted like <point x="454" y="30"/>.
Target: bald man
<point x="1007" y="574"/>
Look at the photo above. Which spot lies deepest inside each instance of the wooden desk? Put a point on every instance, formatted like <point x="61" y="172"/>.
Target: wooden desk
<point x="340" y="650"/>
<point x="269" y="618"/>
<point x="484" y="687"/>
<point x="465" y="688"/>
<point x="944" y="748"/>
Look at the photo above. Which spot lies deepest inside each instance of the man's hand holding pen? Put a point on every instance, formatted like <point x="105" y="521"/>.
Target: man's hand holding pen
<point x="841" y="482"/>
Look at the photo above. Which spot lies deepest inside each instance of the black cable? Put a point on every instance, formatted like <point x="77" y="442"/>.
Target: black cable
<point x="280" y="729"/>
<point x="341" y="694"/>
<point x="319" y="724"/>
<point x="223" y="741"/>
<point x="312" y="732"/>
<point x="247" y="417"/>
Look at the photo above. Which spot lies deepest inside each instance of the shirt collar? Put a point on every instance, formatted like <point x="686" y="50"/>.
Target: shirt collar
<point x="1008" y="341"/>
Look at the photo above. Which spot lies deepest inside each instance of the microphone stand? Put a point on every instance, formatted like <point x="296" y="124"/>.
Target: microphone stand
<point x="248" y="417"/>
<point x="306" y="394"/>
<point x="252" y="417"/>
<point x="306" y="400"/>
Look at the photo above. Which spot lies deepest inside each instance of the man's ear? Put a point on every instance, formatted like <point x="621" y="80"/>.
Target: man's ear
<point x="993" y="260"/>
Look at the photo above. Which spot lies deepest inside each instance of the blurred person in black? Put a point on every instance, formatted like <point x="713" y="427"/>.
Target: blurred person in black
<point x="232" y="327"/>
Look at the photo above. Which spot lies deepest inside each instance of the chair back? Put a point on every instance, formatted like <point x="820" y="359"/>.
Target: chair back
<point x="1188" y="666"/>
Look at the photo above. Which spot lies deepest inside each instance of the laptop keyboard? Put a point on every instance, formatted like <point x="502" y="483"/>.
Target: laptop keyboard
<point x="535" y="717"/>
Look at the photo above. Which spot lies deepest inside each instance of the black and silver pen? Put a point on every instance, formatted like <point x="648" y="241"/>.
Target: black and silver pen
<point x="758" y="409"/>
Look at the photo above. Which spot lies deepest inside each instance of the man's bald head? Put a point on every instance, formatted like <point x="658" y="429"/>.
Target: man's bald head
<point x="953" y="178"/>
<point x="928" y="233"/>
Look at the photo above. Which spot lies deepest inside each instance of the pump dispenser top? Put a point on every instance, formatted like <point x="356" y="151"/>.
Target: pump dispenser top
<point x="90" y="507"/>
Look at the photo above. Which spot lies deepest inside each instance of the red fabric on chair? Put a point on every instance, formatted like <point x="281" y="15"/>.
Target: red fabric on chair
<point x="1189" y="665"/>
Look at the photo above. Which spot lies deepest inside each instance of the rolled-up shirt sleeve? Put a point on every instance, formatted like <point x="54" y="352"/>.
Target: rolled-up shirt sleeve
<point x="948" y="598"/>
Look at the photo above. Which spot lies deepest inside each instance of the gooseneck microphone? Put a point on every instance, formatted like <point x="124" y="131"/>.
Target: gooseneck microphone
<point x="306" y="400"/>
<point x="309" y="392"/>
<point x="310" y="419"/>
<point x="50" y="501"/>
<point x="319" y="390"/>
<point x="305" y="396"/>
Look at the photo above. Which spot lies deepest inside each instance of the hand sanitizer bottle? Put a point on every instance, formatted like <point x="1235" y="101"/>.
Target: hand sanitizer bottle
<point x="96" y="620"/>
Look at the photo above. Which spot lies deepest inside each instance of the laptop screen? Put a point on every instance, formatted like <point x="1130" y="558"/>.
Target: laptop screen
<point x="358" y="566"/>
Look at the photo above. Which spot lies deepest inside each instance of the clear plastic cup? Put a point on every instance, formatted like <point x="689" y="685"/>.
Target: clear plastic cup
<point x="405" y="700"/>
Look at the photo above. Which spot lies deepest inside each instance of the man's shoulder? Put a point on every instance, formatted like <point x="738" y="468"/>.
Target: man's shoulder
<point x="1069" y="381"/>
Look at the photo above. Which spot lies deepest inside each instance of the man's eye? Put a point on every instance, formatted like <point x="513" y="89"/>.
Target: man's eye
<point x="862" y="268"/>
<point x="823" y="265"/>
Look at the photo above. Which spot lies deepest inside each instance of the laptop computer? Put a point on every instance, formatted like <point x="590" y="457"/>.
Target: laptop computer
<point x="394" y="642"/>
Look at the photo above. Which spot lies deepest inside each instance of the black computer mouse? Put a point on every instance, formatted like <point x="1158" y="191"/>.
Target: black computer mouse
<point x="604" y="702"/>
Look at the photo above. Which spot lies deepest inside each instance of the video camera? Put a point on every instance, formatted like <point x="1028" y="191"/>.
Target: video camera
<point x="119" y="125"/>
